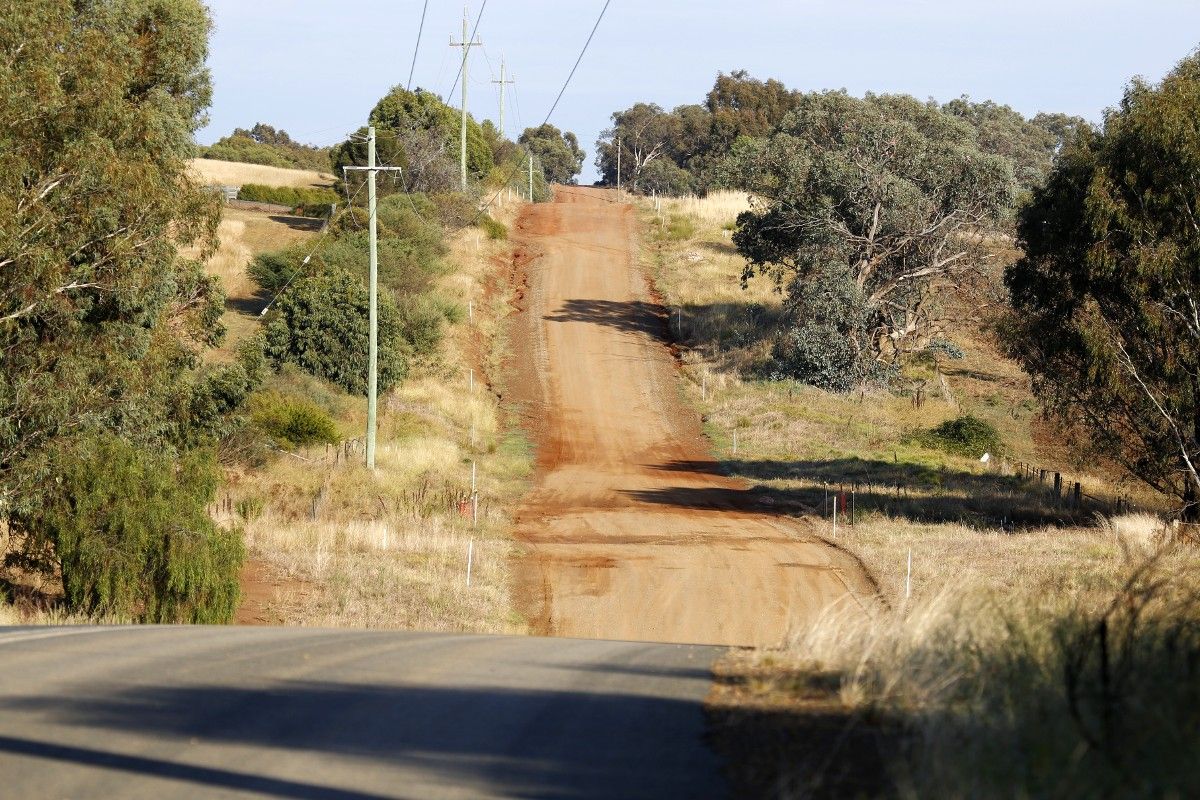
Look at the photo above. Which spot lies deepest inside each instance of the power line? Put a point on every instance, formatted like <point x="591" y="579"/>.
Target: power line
<point x="561" y="92"/>
<point x="417" y="48"/>
<point x="577" y="61"/>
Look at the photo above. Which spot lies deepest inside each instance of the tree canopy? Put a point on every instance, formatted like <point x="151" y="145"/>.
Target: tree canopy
<point x="416" y="131"/>
<point x="101" y="320"/>
<point x="263" y="144"/>
<point x="872" y="200"/>
<point x="1106" y="296"/>
<point x="557" y="152"/>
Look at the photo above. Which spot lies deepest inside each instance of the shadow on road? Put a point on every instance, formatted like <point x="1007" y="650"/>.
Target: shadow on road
<point x="524" y="743"/>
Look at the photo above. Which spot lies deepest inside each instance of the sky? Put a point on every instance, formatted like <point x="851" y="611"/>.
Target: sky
<point x="316" y="69"/>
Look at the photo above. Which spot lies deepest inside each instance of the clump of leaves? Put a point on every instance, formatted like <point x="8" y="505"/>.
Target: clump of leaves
<point x="496" y="231"/>
<point x="292" y="421"/>
<point x="966" y="436"/>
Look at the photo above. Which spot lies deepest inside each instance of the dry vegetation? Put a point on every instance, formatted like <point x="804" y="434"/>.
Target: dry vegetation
<point x="953" y="684"/>
<point x="334" y="545"/>
<point x="243" y="234"/>
<point x="233" y="173"/>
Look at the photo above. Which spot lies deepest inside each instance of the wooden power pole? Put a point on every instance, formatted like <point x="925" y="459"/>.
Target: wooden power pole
<point x="503" y="83"/>
<point x="466" y="44"/>
<point x="373" y="265"/>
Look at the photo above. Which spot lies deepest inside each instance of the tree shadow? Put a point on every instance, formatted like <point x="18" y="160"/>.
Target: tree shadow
<point x="309" y="224"/>
<point x="911" y="491"/>
<point x="627" y="316"/>
<point x="536" y="743"/>
<point x="250" y="306"/>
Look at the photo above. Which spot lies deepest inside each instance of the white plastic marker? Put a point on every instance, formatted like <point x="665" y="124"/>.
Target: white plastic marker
<point x="835" y="505"/>
<point x="908" y="577"/>
<point x="471" y="310"/>
<point x="470" y="559"/>
<point x="735" y="443"/>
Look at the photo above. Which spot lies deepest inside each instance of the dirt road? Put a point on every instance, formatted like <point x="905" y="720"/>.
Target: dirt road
<point x="631" y="531"/>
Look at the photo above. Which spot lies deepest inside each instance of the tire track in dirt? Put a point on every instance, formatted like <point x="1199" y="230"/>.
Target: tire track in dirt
<point x="631" y="531"/>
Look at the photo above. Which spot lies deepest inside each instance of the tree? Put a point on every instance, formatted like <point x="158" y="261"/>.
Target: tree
<point x="263" y="144"/>
<point x="101" y="321"/>
<point x="419" y="133"/>
<point x="321" y="325"/>
<point x="1106" y="297"/>
<point x="886" y="195"/>
<point x="557" y="152"/>
<point x="644" y="134"/>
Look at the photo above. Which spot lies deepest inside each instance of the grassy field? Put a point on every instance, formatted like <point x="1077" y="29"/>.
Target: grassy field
<point x="952" y="684"/>
<point x="232" y="173"/>
<point x="334" y="545"/>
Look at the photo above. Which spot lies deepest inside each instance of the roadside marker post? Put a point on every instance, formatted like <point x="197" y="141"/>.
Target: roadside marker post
<point x="908" y="577"/>
<point x="470" y="559"/>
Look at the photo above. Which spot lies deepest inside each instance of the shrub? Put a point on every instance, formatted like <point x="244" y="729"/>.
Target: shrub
<point x="296" y="198"/>
<point x="321" y="325"/>
<point x="421" y="324"/>
<point x="272" y="271"/>
<point x="966" y="436"/>
<point x="819" y="355"/>
<point x="496" y="231"/>
<point x="455" y="210"/>
<point x="132" y="535"/>
<point x="292" y="421"/>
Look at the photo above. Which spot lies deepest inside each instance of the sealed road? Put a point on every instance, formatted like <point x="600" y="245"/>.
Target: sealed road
<point x="174" y="712"/>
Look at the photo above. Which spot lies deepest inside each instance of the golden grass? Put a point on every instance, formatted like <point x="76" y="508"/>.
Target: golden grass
<point x="390" y="549"/>
<point x="232" y="173"/>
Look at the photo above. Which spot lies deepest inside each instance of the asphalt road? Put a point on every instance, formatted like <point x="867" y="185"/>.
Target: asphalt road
<point x="169" y="712"/>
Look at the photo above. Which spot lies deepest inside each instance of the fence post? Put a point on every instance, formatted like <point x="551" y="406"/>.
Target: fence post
<point x="1057" y="486"/>
<point x="1078" y="495"/>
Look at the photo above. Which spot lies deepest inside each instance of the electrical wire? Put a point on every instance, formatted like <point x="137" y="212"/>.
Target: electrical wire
<point x="320" y="241"/>
<point x="417" y="48"/>
<point x="561" y="92"/>
<point x="466" y="48"/>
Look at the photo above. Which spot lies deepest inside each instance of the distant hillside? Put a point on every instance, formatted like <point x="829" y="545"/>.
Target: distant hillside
<point x="230" y="173"/>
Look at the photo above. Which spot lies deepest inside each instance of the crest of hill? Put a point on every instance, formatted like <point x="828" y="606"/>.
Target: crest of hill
<point x="233" y="173"/>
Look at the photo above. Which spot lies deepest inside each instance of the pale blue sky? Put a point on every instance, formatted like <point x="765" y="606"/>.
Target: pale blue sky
<point x="317" y="68"/>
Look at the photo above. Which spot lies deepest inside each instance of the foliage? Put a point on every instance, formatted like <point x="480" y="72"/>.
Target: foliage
<point x="419" y="133"/>
<point x="132" y="535"/>
<point x="966" y="436"/>
<point x="886" y="193"/>
<point x="263" y="144"/>
<point x="320" y="324"/>
<point x="1107" y="292"/>
<point x="317" y="199"/>
<point x="1030" y="144"/>
<point x="292" y="421"/>
<point x="557" y="152"/>
<point x="101" y="321"/>
<point x="826" y="324"/>
<point x="496" y="231"/>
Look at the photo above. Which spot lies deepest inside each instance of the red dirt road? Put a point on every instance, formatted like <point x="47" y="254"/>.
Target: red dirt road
<point x="631" y="532"/>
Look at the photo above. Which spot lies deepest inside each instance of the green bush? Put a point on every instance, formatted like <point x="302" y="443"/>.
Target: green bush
<point x="292" y="421"/>
<point x="966" y="436"/>
<point x="496" y="231"/>
<point x="132" y="534"/>
<point x="272" y="271"/>
<point x="314" y="201"/>
<point x="421" y="322"/>
<point x="320" y="324"/>
<point x="456" y="211"/>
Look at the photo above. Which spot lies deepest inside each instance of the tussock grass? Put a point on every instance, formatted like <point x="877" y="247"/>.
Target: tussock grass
<point x="233" y="173"/>
<point x="389" y="549"/>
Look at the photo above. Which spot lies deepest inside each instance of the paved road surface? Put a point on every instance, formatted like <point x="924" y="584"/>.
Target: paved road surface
<point x="295" y="713"/>
<point x="632" y="532"/>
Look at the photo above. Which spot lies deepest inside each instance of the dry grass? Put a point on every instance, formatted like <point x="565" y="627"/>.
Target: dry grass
<point x="389" y="550"/>
<point x="232" y="173"/>
<point x="954" y="690"/>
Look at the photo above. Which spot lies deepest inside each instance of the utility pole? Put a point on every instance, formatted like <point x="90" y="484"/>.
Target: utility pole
<point x="618" y="168"/>
<point x="502" y="83"/>
<point x="531" y="176"/>
<point x="373" y="261"/>
<point x="466" y="45"/>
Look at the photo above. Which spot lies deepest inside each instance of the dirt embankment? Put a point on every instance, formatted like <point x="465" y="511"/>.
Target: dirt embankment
<point x="631" y="532"/>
